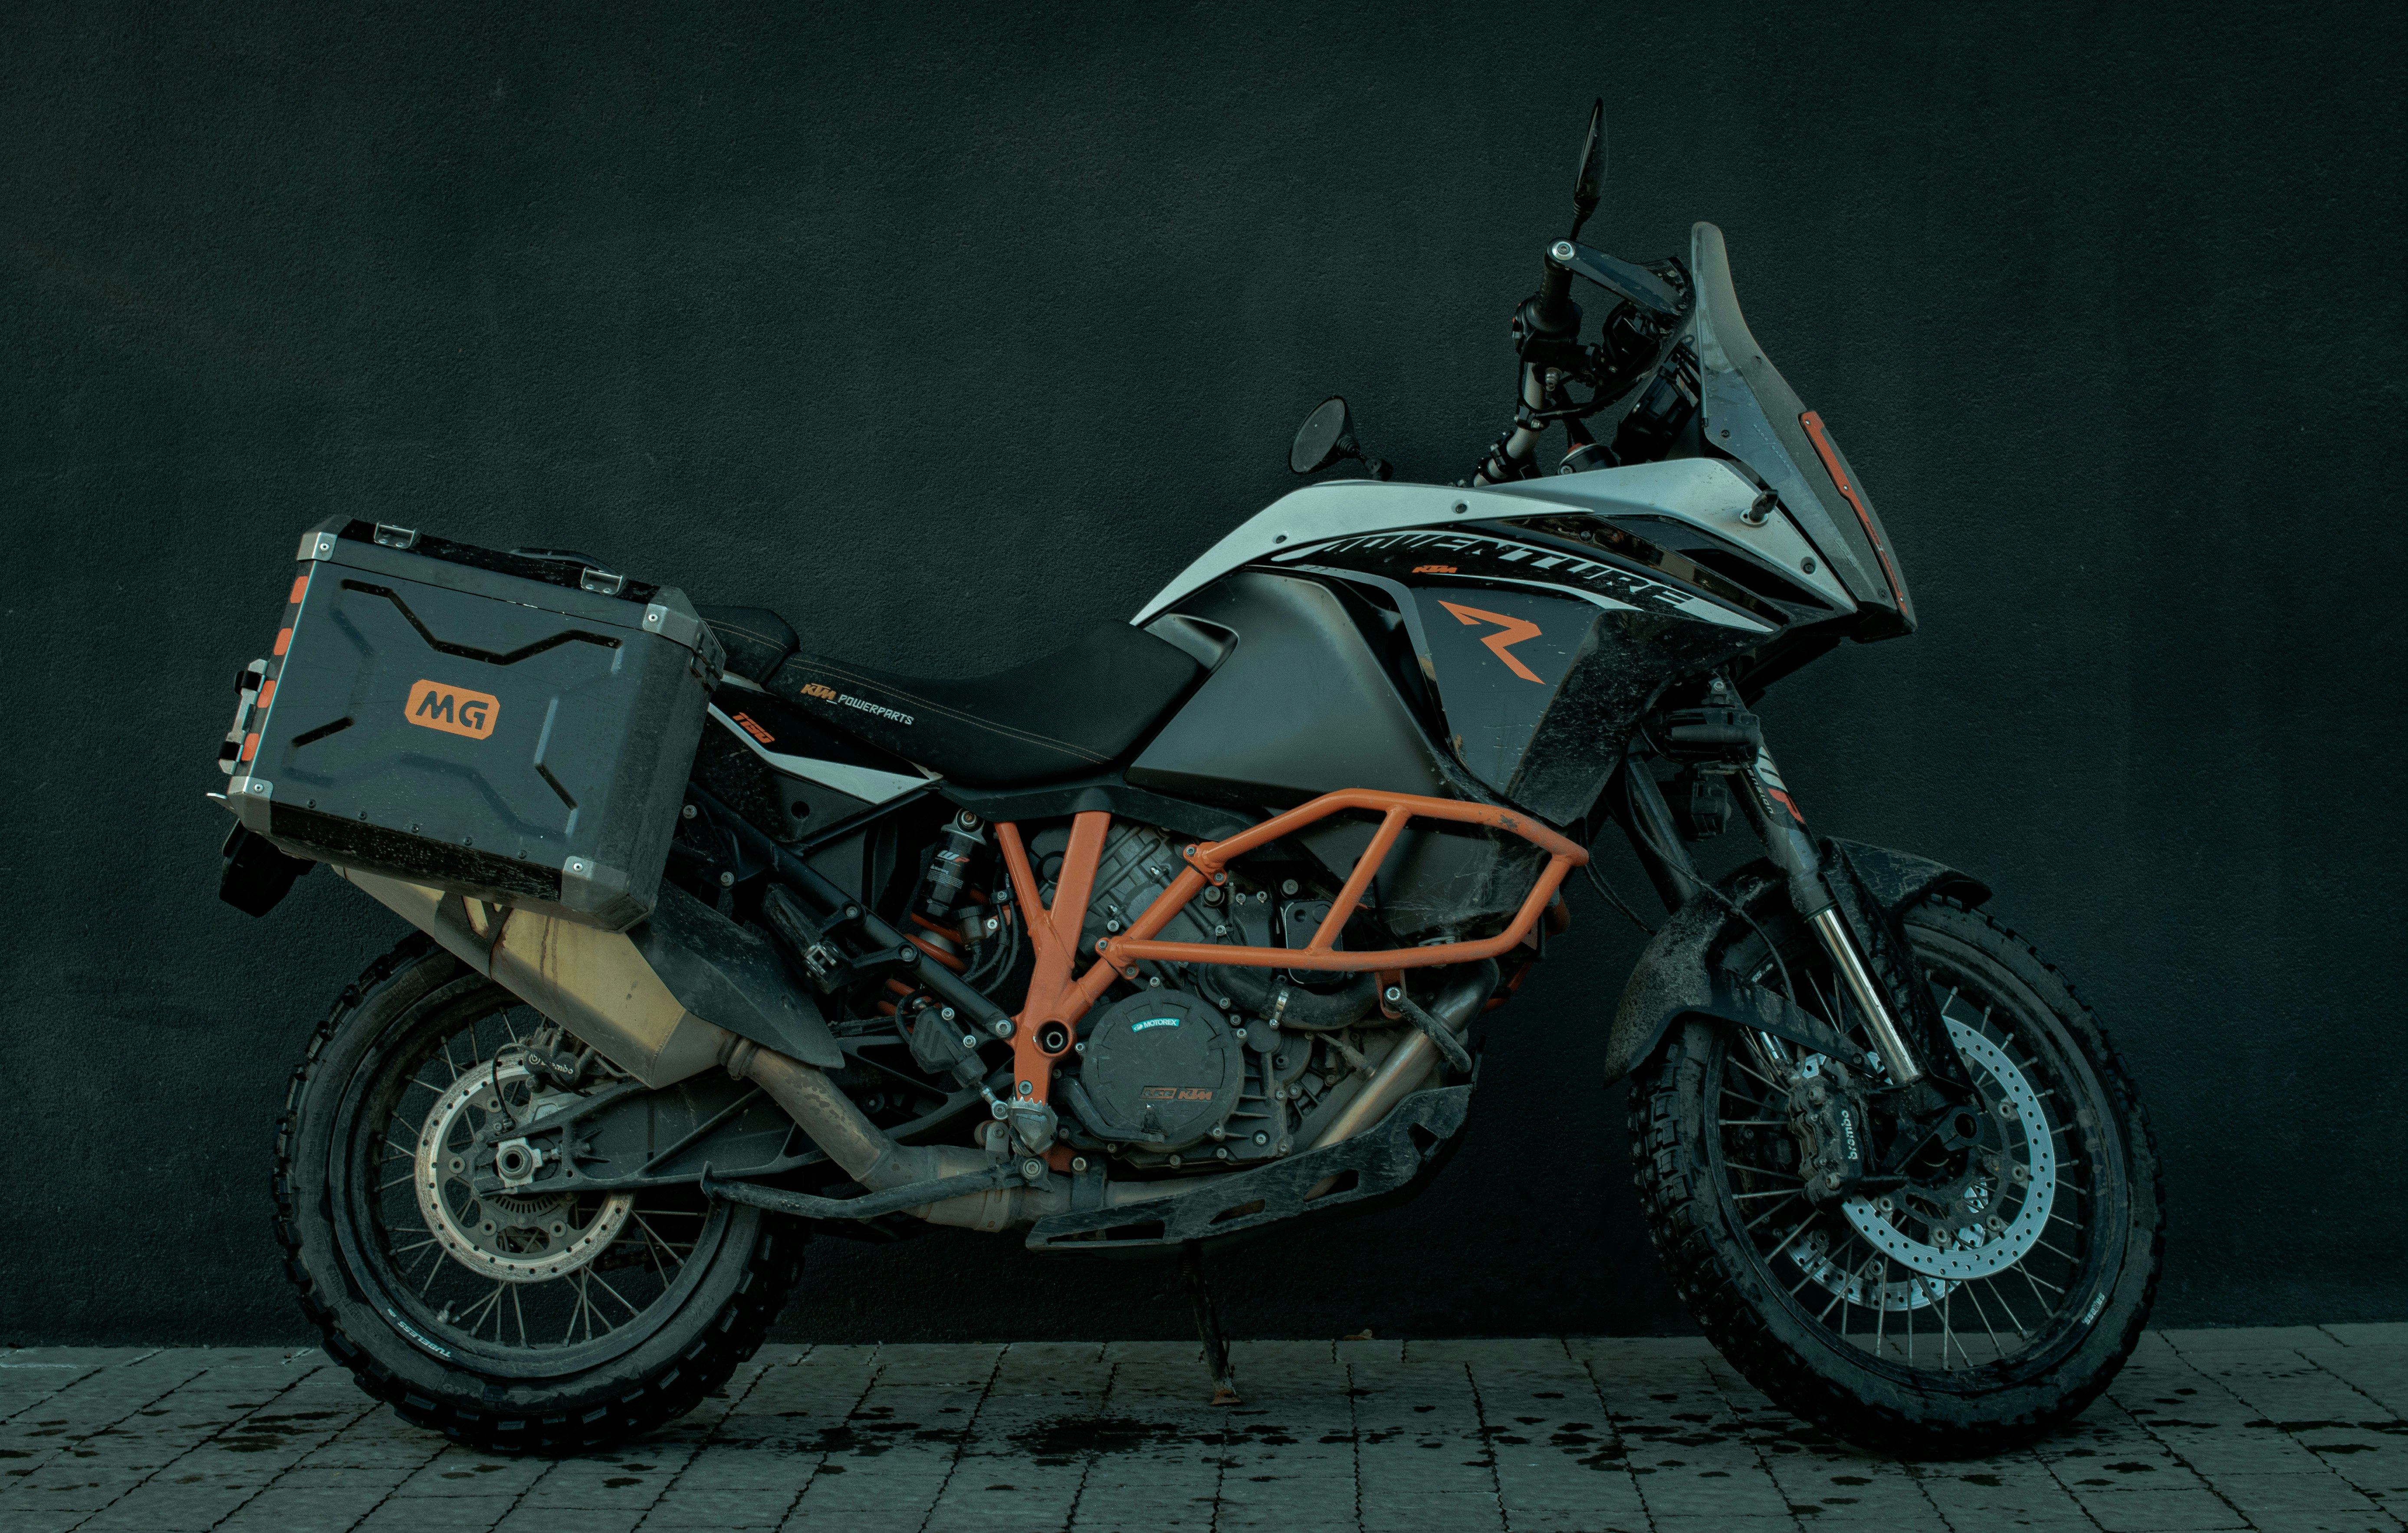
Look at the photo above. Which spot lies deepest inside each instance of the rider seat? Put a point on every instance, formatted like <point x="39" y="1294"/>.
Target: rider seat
<point x="1065" y="714"/>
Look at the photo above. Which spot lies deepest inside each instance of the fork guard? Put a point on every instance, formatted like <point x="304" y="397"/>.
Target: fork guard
<point x="1385" y="1159"/>
<point x="1675" y="979"/>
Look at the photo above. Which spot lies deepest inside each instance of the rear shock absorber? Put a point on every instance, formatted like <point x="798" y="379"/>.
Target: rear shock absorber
<point x="948" y="877"/>
<point x="949" y="871"/>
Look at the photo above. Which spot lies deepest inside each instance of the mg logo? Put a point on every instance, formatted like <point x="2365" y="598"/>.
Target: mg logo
<point x="455" y="710"/>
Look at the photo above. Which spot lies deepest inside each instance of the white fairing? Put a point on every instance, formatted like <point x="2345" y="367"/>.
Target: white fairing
<point x="866" y="784"/>
<point x="1706" y="492"/>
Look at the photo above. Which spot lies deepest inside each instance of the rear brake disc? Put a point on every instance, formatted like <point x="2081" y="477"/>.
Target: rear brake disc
<point x="530" y="1235"/>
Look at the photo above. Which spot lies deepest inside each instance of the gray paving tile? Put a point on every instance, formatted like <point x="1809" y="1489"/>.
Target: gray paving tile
<point x="684" y="1509"/>
<point x="2204" y="1430"/>
<point x="2388" y="1333"/>
<point x="2250" y="1339"/>
<point x="2068" y="1518"/>
<point x="530" y="1517"/>
<point x="2297" y="1495"/>
<point x="1430" y="1511"/>
<point x="282" y="1508"/>
<point x="2316" y="1521"/>
<point x="2160" y="1510"/>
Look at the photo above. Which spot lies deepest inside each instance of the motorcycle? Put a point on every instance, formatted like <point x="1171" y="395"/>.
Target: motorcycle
<point x="1191" y="929"/>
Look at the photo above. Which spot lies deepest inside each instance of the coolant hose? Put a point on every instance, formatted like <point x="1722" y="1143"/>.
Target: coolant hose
<point x="1270" y="993"/>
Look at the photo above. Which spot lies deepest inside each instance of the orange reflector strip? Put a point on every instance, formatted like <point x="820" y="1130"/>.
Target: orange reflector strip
<point x="283" y="639"/>
<point x="250" y="745"/>
<point x="1813" y="421"/>
<point x="267" y="693"/>
<point x="300" y="584"/>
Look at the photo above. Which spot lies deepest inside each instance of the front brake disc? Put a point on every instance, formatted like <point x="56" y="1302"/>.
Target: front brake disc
<point x="1978" y="1248"/>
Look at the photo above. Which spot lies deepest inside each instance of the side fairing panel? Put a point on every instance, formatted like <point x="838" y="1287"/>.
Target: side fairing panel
<point x="1300" y="706"/>
<point x="1501" y="659"/>
<point x="1543" y="659"/>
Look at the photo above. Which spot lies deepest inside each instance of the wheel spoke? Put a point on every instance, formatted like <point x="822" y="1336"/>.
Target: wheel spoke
<point x="1983" y="1315"/>
<point x="631" y="1310"/>
<point x="1764" y="1171"/>
<point x="1881" y="1316"/>
<point x="1769" y="1084"/>
<point x="1770" y="1212"/>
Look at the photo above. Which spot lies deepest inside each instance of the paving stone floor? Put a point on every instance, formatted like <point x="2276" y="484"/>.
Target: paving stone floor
<point x="2292" y="1429"/>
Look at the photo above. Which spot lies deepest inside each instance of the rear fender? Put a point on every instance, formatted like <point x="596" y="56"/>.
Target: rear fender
<point x="1676" y="978"/>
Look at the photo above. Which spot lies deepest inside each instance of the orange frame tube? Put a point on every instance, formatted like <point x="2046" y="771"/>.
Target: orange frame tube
<point x="1055" y="996"/>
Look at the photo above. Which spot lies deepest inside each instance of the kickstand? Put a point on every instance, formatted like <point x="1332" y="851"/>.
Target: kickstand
<point x="1208" y="1324"/>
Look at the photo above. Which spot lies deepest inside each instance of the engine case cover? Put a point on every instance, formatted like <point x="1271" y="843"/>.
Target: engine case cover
<point x="1164" y="1060"/>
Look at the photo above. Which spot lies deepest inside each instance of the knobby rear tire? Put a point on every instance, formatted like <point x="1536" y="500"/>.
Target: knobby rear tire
<point x="691" y="1351"/>
<point x="1802" y="1365"/>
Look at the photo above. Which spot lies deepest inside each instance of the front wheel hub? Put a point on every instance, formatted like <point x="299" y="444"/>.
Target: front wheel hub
<point x="1986" y="1220"/>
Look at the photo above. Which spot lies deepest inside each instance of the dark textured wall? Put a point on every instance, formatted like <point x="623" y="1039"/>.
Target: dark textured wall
<point x="950" y="333"/>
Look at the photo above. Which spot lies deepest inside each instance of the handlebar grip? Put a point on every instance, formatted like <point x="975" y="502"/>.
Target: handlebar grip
<point x="1554" y="287"/>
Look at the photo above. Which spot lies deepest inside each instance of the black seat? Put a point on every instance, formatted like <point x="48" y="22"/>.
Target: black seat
<point x="1064" y="715"/>
<point x="756" y="639"/>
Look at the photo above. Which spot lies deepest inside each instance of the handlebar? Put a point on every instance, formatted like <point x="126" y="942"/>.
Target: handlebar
<point x="1546" y="334"/>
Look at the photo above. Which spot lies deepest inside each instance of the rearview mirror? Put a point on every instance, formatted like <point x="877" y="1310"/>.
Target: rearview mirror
<point x="1327" y="436"/>
<point x="1588" y="185"/>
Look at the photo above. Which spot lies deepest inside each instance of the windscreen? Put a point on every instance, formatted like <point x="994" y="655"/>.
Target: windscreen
<point x="1751" y="414"/>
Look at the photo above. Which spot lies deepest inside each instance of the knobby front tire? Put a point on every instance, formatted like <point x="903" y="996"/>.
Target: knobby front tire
<point x="1806" y="1301"/>
<point x="696" y="1283"/>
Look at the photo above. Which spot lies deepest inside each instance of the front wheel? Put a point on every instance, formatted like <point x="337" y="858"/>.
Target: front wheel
<point x="516" y="1323"/>
<point x="1983" y="1297"/>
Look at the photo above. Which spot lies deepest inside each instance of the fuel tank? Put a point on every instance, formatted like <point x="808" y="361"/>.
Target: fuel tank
<point x="1316" y="691"/>
<point x="1299" y="705"/>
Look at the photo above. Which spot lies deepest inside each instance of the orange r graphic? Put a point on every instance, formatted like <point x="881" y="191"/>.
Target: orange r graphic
<point x="1509" y="632"/>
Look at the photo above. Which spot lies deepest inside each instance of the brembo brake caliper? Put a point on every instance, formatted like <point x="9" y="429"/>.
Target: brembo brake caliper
<point x="1831" y="1130"/>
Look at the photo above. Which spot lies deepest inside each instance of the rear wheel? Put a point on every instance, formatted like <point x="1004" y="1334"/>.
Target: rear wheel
<point x="1989" y="1297"/>
<point x="547" y="1324"/>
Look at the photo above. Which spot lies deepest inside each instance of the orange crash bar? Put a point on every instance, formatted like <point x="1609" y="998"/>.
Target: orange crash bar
<point x="1208" y="861"/>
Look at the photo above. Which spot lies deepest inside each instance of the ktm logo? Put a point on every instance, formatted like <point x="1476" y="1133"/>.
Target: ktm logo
<point x="455" y="710"/>
<point x="1509" y="632"/>
<point x="819" y="690"/>
<point x="1434" y="569"/>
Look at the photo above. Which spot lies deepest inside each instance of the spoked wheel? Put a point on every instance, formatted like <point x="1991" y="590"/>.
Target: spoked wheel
<point x="536" y="1320"/>
<point x="1985" y="1292"/>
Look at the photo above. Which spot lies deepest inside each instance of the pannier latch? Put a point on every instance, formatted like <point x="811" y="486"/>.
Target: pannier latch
<point x="397" y="538"/>
<point x="601" y="581"/>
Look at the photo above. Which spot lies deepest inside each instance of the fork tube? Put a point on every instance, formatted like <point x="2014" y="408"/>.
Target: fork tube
<point x="1842" y="945"/>
<point x="1782" y="829"/>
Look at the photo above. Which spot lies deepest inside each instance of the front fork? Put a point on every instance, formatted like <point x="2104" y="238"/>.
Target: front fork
<point x="1728" y="739"/>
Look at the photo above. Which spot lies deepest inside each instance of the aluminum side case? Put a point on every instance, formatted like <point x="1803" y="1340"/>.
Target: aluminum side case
<point x="512" y="729"/>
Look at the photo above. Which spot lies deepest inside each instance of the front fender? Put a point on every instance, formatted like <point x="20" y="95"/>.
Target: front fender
<point x="1675" y="977"/>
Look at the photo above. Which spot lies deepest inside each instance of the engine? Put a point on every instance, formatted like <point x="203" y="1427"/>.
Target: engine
<point x="1210" y="1063"/>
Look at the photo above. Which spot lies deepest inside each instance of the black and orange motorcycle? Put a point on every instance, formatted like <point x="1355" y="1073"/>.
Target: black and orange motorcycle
<point x="1189" y="929"/>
